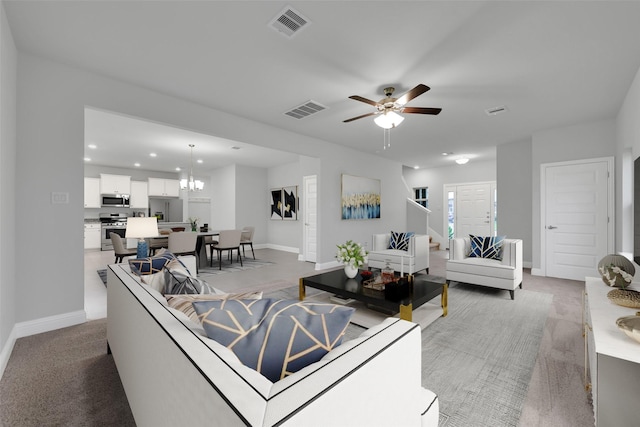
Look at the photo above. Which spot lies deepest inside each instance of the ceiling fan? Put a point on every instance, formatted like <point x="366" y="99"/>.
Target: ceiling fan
<point x="387" y="109"/>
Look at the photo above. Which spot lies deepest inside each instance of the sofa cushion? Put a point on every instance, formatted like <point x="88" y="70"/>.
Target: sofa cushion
<point x="184" y="304"/>
<point x="482" y="267"/>
<point x="275" y="337"/>
<point x="179" y="281"/>
<point x="486" y="247"/>
<point x="400" y="240"/>
<point x="150" y="265"/>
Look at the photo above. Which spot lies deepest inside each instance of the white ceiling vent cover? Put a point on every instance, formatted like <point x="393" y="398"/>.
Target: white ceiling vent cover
<point x="305" y="110"/>
<point x="289" y="22"/>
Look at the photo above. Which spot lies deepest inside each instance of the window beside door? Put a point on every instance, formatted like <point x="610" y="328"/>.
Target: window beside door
<point x="422" y="196"/>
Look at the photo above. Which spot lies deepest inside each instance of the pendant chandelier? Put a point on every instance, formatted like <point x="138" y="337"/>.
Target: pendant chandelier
<point x="191" y="184"/>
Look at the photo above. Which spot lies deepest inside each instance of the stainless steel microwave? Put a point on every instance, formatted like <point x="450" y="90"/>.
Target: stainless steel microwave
<point x="116" y="201"/>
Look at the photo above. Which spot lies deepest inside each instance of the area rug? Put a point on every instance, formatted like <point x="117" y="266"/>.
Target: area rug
<point x="479" y="359"/>
<point x="228" y="267"/>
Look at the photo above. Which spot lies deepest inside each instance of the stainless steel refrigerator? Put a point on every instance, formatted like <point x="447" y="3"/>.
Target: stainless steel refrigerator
<point x="166" y="210"/>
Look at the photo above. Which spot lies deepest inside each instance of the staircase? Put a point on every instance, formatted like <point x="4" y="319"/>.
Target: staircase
<point x="433" y="246"/>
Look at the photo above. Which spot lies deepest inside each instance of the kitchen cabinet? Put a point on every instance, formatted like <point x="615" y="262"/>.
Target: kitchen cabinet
<point x="92" y="192"/>
<point x="139" y="195"/>
<point x="115" y="184"/>
<point x="92" y="235"/>
<point x="612" y="358"/>
<point x="161" y="187"/>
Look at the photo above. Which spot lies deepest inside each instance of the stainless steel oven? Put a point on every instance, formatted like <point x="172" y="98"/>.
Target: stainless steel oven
<point x="111" y="223"/>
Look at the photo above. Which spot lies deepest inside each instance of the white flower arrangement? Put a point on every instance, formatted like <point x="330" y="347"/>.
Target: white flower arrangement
<point x="351" y="253"/>
<point x="610" y="274"/>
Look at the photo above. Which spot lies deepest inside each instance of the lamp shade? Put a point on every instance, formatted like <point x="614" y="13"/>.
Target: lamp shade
<point x="141" y="227"/>
<point x="388" y="120"/>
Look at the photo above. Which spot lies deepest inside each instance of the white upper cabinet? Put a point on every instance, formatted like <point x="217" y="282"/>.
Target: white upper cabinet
<point x="115" y="184"/>
<point x="139" y="195"/>
<point x="161" y="187"/>
<point x="92" y="192"/>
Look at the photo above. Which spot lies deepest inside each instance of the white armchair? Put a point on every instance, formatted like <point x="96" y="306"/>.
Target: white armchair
<point x="414" y="259"/>
<point x="501" y="274"/>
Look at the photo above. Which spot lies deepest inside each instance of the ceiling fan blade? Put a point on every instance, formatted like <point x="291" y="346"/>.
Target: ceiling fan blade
<point x="421" y="110"/>
<point x="365" y="100"/>
<point x="359" y="117"/>
<point x="416" y="91"/>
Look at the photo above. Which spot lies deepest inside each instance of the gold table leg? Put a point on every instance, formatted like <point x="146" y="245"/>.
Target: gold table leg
<point x="301" y="290"/>
<point x="406" y="312"/>
<point x="444" y="299"/>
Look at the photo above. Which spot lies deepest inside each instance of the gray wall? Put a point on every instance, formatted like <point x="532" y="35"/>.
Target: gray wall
<point x="514" y="193"/>
<point x="51" y="102"/>
<point x="251" y="201"/>
<point x="8" y="275"/>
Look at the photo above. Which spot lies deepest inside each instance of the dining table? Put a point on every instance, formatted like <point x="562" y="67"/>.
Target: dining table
<point x="201" y="249"/>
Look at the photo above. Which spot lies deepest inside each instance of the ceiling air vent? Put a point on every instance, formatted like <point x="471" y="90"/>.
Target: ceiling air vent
<point x="305" y="110"/>
<point x="495" y="110"/>
<point x="289" y="22"/>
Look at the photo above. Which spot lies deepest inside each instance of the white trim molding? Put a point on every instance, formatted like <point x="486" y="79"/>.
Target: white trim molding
<point x="51" y="323"/>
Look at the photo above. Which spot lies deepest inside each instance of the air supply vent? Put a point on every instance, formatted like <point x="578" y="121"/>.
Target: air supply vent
<point x="289" y="22"/>
<point x="495" y="110"/>
<point x="305" y="110"/>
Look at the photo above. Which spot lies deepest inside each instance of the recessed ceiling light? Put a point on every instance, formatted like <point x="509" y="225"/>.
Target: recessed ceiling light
<point x="447" y="154"/>
<point x="199" y="161"/>
<point x="416" y="167"/>
<point x="92" y="146"/>
<point x="462" y="160"/>
<point x="178" y="169"/>
<point x="87" y="159"/>
<point x="153" y="154"/>
<point x="136" y="164"/>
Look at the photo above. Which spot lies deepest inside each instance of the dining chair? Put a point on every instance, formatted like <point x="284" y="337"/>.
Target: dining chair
<point x="183" y="243"/>
<point x="247" y="239"/>
<point x="159" y="242"/>
<point x="119" y="248"/>
<point x="228" y="240"/>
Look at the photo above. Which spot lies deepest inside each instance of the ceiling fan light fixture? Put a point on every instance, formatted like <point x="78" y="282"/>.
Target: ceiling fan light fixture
<point x="388" y="120"/>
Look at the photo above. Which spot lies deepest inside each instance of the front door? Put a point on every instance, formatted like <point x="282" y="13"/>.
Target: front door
<point x="578" y="207"/>
<point x="473" y="210"/>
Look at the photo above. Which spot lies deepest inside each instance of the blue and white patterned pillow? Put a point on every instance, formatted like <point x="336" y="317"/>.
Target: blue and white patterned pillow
<point x="274" y="337"/>
<point x="150" y="265"/>
<point x="486" y="247"/>
<point x="400" y="240"/>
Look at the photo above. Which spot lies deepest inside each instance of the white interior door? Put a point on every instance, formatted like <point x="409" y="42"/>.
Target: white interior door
<point x="473" y="210"/>
<point x="310" y="197"/>
<point x="576" y="217"/>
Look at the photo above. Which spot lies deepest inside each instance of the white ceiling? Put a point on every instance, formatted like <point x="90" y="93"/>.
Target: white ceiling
<point x="551" y="63"/>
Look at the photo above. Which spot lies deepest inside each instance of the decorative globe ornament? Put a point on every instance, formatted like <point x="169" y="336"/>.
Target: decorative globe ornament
<point x="616" y="270"/>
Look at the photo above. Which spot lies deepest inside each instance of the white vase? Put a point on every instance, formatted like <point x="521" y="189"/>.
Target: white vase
<point x="350" y="271"/>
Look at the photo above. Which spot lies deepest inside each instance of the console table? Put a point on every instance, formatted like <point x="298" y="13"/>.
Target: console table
<point x="612" y="360"/>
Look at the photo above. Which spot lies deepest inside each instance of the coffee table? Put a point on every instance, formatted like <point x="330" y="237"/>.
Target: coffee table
<point x="337" y="282"/>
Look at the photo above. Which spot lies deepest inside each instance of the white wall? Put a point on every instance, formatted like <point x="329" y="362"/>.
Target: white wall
<point x="252" y="202"/>
<point x="628" y="145"/>
<point x="223" y="198"/>
<point x="583" y="141"/>
<point x="8" y="271"/>
<point x="514" y="188"/>
<point x="436" y="178"/>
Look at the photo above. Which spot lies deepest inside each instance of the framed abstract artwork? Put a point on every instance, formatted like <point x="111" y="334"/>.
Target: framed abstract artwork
<point x="276" y="203"/>
<point x="290" y="203"/>
<point x="360" y="197"/>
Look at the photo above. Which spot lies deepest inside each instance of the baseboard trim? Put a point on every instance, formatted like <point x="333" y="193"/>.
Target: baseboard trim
<point x="6" y="351"/>
<point x="51" y="323"/>
<point x="325" y="265"/>
<point x="282" y="248"/>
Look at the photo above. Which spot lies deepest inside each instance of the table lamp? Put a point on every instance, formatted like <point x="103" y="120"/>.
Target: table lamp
<point x="139" y="228"/>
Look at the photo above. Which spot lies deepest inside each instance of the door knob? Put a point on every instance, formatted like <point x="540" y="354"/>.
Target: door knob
<point x="551" y="227"/>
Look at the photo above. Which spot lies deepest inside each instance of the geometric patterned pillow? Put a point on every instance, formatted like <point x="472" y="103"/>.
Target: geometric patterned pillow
<point x="275" y="337"/>
<point x="184" y="302"/>
<point x="486" y="247"/>
<point x="400" y="240"/>
<point x="150" y="265"/>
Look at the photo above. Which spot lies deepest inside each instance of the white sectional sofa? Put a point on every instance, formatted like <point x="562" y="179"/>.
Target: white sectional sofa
<point x="173" y="375"/>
